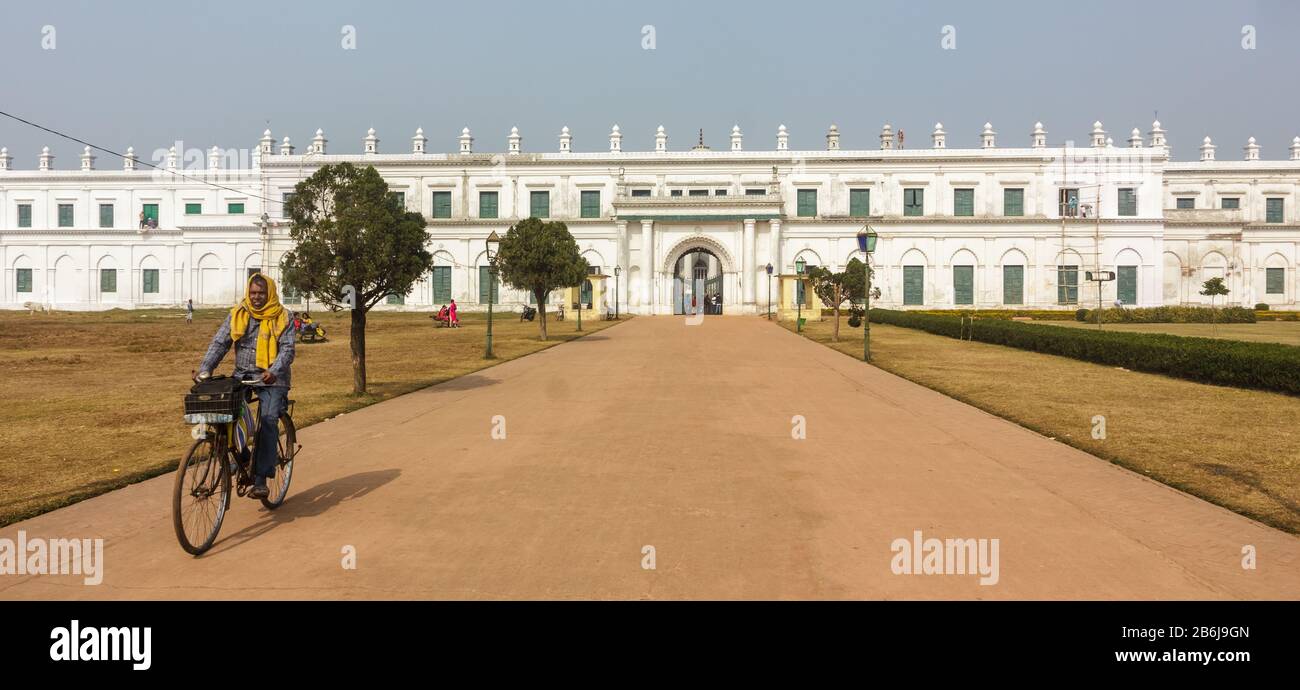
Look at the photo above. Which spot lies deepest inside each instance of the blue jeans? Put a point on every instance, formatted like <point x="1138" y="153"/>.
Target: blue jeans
<point x="273" y="400"/>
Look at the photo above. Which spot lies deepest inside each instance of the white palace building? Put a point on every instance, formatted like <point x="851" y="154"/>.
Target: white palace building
<point x="990" y="227"/>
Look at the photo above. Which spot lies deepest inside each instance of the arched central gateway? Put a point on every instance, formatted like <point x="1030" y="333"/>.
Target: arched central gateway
<point x="697" y="283"/>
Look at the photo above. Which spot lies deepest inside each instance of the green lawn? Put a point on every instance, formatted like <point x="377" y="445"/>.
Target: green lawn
<point x="1285" y="332"/>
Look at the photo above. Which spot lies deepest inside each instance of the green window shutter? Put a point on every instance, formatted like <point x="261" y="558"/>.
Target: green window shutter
<point x="24" y="276"/>
<point x="150" y="281"/>
<point x="193" y="209"/>
<point x="913" y="285"/>
<point x="913" y="202"/>
<point x="755" y="192"/>
<point x="859" y="202"/>
<point x="235" y="208"/>
<point x="1186" y="203"/>
<point x="1230" y="203"/>
<point x="442" y="204"/>
<point x="539" y="204"/>
<point x="590" y="204"/>
<point x="1126" y="284"/>
<point x="105" y="215"/>
<point x="24" y="215"/>
<point x="807" y="203"/>
<point x="1273" y="212"/>
<point x="442" y="284"/>
<point x="1013" y="284"/>
<point x="699" y="192"/>
<point x="963" y="284"/>
<point x="486" y="283"/>
<point x="400" y="198"/>
<point x="65" y="215"/>
<point x="963" y="202"/>
<point x="1274" y="279"/>
<point x="1013" y="202"/>
<point x="396" y="299"/>
<point x="640" y="192"/>
<point x="107" y="280"/>
<point x="151" y="212"/>
<point x="1067" y="284"/>
<point x="487" y="205"/>
<point x="1128" y="202"/>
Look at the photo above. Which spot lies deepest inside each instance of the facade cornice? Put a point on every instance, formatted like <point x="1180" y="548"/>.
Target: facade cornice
<point x="91" y="234"/>
<point x="940" y="156"/>
<point x="190" y="177"/>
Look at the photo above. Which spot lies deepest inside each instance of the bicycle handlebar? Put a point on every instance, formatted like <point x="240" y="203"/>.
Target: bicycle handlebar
<point x="204" y="376"/>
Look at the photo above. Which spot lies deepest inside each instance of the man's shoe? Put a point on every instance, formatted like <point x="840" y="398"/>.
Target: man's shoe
<point x="259" y="491"/>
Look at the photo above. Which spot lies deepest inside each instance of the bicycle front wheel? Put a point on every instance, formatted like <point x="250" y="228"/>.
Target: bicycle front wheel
<point x="201" y="495"/>
<point x="287" y="446"/>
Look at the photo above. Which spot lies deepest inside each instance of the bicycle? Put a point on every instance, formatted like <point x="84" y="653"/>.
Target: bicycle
<point x="223" y="414"/>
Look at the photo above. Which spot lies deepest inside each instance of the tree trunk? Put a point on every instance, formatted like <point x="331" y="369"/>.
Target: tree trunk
<point x="358" y="351"/>
<point x="835" y="331"/>
<point x="541" y="314"/>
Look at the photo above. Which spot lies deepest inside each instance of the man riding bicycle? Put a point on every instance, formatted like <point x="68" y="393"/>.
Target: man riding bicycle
<point x="259" y="329"/>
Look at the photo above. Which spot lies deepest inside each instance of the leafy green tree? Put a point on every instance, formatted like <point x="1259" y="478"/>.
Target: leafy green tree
<point x="355" y="245"/>
<point x="835" y="288"/>
<point x="1213" y="288"/>
<point x="539" y="257"/>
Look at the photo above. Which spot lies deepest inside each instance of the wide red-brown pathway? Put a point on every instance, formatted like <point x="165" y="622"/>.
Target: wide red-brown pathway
<point x="658" y="434"/>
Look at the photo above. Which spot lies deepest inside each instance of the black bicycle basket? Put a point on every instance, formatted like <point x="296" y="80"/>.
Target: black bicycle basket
<point x="217" y="395"/>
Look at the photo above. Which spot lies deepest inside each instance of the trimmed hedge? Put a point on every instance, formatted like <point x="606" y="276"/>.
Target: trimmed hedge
<point x="1264" y="366"/>
<point x="1277" y="316"/>
<point x="1173" y="315"/>
<point x="1005" y="314"/>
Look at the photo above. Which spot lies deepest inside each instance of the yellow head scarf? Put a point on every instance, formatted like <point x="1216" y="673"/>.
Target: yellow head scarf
<point x="272" y="315"/>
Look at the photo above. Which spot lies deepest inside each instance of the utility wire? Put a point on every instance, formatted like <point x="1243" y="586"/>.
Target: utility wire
<point x="138" y="160"/>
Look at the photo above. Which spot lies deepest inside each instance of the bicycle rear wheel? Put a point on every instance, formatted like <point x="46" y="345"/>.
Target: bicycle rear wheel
<point x="287" y="447"/>
<point x="201" y="495"/>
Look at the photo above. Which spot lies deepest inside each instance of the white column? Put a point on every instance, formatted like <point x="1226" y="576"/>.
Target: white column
<point x="775" y="227"/>
<point x="647" y="266"/>
<point x="747" y="261"/>
<point x="624" y="261"/>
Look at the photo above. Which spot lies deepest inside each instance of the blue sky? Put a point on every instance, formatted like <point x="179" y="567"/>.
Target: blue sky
<point x="148" y="73"/>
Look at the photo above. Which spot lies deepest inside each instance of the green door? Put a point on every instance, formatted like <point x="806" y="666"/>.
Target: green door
<point x="151" y="212"/>
<point x="1013" y="284"/>
<point x="441" y="284"/>
<point x="1126" y="281"/>
<point x="1067" y="284"/>
<point x="963" y="284"/>
<point x="913" y="285"/>
<point x="1274" y="281"/>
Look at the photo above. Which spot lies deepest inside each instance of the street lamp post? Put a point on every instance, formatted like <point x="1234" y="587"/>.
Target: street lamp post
<point x="769" y="292"/>
<point x="266" y="245"/>
<point x="867" y="243"/>
<point x="493" y="242"/>
<point x="798" y="297"/>
<point x="617" y="270"/>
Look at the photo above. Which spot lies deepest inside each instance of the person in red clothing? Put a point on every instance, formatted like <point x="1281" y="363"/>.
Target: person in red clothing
<point x="451" y="315"/>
